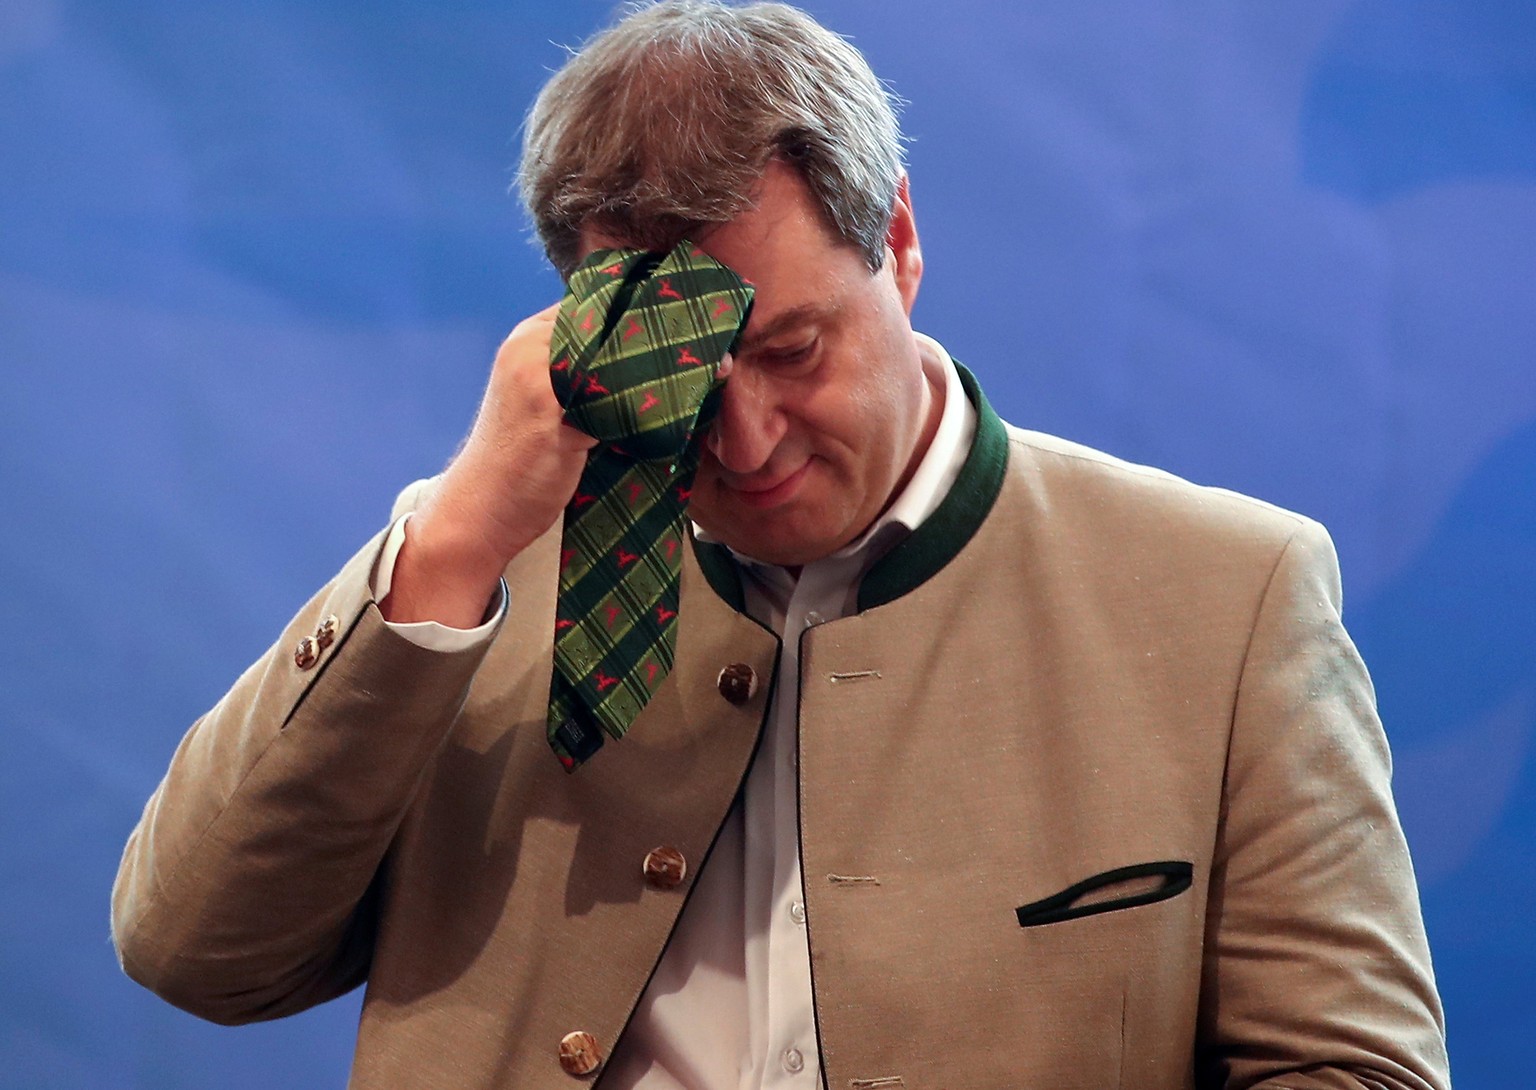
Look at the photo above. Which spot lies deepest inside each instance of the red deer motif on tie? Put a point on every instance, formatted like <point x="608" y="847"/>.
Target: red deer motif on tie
<point x="639" y="379"/>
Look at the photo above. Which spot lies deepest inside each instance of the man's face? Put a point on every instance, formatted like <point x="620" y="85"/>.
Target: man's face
<point x="826" y="411"/>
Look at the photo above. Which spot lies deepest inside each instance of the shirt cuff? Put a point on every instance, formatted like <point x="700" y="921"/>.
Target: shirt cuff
<point x="430" y="634"/>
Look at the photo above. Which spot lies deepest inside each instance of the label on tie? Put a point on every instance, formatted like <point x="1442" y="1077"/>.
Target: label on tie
<point x="579" y="740"/>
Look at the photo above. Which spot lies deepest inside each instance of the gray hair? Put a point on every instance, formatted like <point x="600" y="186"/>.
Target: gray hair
<point x="666" y="121"/>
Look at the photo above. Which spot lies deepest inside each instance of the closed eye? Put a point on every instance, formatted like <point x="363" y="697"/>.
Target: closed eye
<point x="788" y="356"/>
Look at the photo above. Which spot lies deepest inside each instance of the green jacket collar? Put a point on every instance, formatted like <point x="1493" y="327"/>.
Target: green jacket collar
<point x="941" y="536"/>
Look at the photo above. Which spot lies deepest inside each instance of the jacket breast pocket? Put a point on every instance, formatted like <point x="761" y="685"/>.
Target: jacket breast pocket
<point x="1111" y="891"/>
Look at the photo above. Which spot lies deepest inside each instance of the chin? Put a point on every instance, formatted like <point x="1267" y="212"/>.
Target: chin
<point x="791" y="536"/>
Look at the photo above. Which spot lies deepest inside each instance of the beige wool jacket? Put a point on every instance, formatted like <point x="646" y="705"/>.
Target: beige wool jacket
<point x="1093" y="794"/>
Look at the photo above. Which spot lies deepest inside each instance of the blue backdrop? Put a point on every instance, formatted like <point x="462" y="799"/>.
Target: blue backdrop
<point x="255" y="259"/>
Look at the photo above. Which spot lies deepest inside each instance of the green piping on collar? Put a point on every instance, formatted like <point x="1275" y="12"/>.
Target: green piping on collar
<point x="925" y="552"/>
<point x="940" y="537"/>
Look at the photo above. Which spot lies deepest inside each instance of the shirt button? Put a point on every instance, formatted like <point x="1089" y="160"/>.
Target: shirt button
<point x="793" y="1061"/>
<point x="797" y="912"/>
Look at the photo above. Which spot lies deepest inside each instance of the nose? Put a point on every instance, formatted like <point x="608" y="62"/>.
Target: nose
<point x="749" y="424"/>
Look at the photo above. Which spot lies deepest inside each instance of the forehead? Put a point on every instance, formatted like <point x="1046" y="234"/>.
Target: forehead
<point x="782" y="228"/>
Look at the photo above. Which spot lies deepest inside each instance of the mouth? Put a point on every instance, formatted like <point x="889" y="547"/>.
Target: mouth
<point x="773" y="495"/>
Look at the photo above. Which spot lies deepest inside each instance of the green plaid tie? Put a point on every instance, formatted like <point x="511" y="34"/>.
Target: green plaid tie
<point x="633" y="359"/>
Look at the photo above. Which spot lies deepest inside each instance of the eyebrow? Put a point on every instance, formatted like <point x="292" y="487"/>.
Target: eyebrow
<point x="779" y="323"/>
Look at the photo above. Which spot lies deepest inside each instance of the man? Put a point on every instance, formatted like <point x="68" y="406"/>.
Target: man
<point x="985" y="760"/>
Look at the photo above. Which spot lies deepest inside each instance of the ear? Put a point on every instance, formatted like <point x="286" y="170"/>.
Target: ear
<point x="906" y="255"/>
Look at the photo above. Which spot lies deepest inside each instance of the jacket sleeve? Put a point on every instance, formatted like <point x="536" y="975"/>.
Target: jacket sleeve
<point x="243" y="893"/>
<point x="1316" y="973"/>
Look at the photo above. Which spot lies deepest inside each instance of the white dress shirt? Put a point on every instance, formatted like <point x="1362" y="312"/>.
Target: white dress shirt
<point x="730" y="1004"/>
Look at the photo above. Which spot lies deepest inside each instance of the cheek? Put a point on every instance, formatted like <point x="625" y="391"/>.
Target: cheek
<point x="884" y="410"/>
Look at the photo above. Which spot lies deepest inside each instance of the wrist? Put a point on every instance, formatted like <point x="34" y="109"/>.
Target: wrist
<point x="444" y="572"/>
